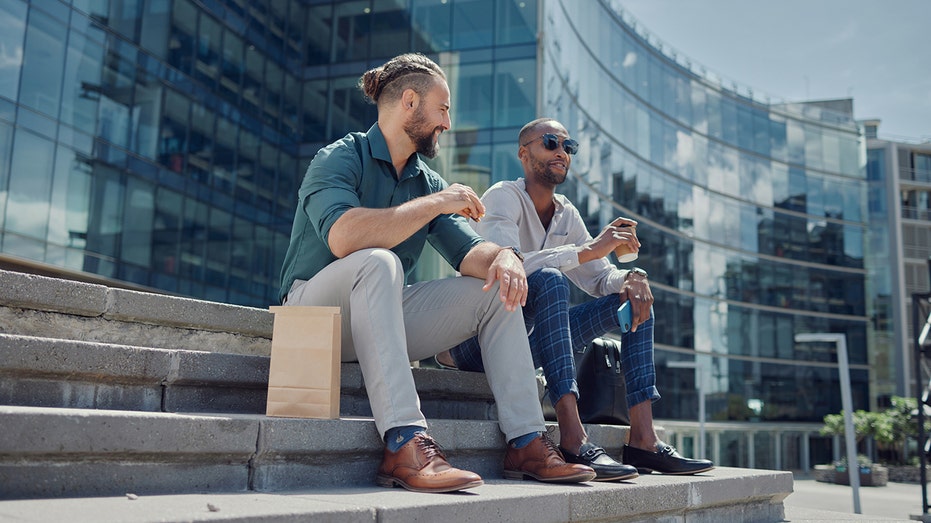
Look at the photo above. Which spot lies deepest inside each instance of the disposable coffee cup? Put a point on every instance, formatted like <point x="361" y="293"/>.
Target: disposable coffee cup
<point x="623" y="252"/>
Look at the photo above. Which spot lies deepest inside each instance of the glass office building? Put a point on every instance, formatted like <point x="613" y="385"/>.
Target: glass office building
<point x="159" y="143"/>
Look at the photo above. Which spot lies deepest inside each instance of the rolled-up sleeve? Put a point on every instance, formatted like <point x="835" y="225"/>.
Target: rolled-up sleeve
<point x="329" y="187"/>
<point x="452" y="237"/>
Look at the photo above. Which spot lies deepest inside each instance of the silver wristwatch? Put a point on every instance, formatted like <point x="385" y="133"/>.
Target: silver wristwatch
<point x="641" y="272"/>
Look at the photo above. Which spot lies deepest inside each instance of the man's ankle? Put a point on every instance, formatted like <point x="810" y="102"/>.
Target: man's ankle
<point x="397" y="437"/>
<point x="643" y="443"/>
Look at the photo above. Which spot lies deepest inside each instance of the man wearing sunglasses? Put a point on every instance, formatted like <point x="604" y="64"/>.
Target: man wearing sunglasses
<point x="558" y="249"/>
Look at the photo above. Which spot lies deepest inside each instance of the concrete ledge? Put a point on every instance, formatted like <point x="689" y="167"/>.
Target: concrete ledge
<point x="126" y="305"/>
<point x="77" y="452"/>
<point x="57" y="373"/>
<point x="497" y="500"/>
<point x="46" y="324"/>
<point x="45" y="372"/>
<point x="40" y="293"/>
<point x="52" y="294"/>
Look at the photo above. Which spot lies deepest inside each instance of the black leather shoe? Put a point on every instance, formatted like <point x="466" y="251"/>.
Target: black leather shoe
<point x="665" y="461"/>
<point x="606" y="469"/>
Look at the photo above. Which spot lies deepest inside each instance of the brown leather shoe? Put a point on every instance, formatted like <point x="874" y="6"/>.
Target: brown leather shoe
<point x="421" y="466"/>
<point x="542" y="461"/>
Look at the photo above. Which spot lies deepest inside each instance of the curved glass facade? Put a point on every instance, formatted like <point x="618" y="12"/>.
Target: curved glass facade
<point x="752" y="217"/>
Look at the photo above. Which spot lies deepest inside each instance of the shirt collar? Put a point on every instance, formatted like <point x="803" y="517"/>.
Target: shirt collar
<point x="557" y="198"/>
<point x="378" y="148"/>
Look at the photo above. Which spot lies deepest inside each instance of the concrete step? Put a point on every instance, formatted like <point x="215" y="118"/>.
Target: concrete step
<point x="49" y="372"/>
<point x="45" y="307"/>
<point x="724" y="495"/>
<point x="54" y="452"/>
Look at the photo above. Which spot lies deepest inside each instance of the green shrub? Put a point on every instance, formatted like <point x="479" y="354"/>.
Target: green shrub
<point x="891" y="429"/>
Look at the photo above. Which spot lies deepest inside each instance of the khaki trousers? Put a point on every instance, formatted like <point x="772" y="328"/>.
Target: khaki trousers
<point x="386" y="325"/>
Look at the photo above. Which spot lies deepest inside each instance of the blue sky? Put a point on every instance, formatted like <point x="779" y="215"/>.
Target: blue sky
<point x="875" y="51"/>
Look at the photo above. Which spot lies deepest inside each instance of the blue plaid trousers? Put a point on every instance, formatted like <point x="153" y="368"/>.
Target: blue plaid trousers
<point x="556" y="331"/>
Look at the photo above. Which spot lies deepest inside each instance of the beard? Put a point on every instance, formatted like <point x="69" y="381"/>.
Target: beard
<point x="544" y="173"/>
<point x="423" y="140"/>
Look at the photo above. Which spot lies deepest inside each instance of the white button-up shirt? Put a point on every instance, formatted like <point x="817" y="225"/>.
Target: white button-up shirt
<point x="511" y="219"/>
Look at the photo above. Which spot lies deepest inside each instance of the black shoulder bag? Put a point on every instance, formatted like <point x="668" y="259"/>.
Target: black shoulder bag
<point x="602" y="389"/>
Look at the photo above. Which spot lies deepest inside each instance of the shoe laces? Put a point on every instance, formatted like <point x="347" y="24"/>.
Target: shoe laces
<point x="430" y="447"/>
<point x="550" y="446"/>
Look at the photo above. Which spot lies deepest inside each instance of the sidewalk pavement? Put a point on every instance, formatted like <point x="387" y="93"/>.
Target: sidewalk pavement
<point x="816" y="501"/>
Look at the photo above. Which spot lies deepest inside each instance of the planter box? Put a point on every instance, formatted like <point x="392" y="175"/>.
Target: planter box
<point x="874" y="476"/>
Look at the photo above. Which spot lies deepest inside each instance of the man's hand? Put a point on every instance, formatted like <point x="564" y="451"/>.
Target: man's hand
<point x="637" y="291"/>
<point x="460" y="199"/>
<point x="509" y="271"/>
<point x="621" y="230"/>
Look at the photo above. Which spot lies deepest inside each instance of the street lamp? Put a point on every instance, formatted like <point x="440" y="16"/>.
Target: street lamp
<point x="700" y="385"/>
<point x="840" y="342"/>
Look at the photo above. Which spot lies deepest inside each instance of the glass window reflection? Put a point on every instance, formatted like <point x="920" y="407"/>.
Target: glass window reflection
<point x="12" y="34"/>
<point x="431" y="25"/>
<point x="472" y="96"/>
<point x="472" y="25"/>
<point x="515" y="21"/>
<point x="42" y="64"/>
<point x="27" y="210"/>
<point x="515" y="93"/>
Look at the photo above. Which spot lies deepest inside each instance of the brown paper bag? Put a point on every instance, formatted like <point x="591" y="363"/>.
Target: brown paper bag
<point x="303" y="378"/>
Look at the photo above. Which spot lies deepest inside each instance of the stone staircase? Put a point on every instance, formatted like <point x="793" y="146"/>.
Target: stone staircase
<point x="106" y="392"/>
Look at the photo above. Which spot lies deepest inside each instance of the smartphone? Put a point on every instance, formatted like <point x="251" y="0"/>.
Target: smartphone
<point x="623" y="316"/>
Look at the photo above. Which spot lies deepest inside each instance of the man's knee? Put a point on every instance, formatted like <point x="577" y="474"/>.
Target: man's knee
<point x="548" y="281"/>
<point x="380" y="265"/>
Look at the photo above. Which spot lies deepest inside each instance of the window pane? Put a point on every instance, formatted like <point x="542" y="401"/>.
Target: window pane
<point x="82" y="82"/>
<point x="352" y="30"/>
<point x="106" y="221"/>
<point x="472" y="23"/>
<point x="472" y="96"/>
<point x="201" y="142"/>
<point x="231" y="67"/>
<point x="390" y="28"/>
<point x="137" y="223"/>
<point x="515" y="93"/>
<point x="12" y="29"/>
<point x="165" y="229"/>
<point x="6" y="147"/>
<point x="183" y="31"/>
<point x="317" y="33"/>
<point x="43" y="63"/>
<point x="193" y="240"/>
<point x="516" y="21"/>
<point x="116" y="100"/>
<point x="207" y="66"/>
<point x="172" y="144"/>
<point x="30" y="185"/>
<point x="70" y="200"/>
<point x="350" y="112"/>
<point x="154" y="37"/>
<point x="431" y="25"/>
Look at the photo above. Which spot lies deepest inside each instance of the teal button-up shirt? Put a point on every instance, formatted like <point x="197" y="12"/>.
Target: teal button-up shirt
<point x="356" y="171"/>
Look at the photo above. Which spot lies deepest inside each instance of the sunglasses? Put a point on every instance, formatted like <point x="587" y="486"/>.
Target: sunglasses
<point x="551" y="142"/>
